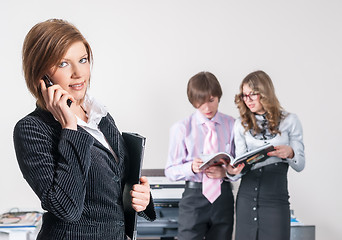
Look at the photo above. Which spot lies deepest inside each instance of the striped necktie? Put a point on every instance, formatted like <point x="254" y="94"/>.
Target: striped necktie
<point x="211" y="188"/>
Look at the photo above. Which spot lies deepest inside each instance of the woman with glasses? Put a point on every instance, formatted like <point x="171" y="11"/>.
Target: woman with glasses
<point x="262" y="207"/>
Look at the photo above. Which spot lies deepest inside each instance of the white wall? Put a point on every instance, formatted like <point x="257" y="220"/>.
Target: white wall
<point x="145" y="52"/>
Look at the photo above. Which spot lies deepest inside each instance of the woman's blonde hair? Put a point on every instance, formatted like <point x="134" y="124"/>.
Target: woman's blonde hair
<point x="44" y="47"/>
<point x="261" y="84"/>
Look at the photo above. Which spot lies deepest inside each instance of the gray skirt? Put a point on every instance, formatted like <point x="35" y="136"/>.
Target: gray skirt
<point x="262" y="206"/>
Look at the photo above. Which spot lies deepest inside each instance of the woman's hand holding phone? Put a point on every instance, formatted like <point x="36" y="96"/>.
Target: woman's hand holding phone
<point x="56" y="102"/>
<point x="49" y="83"/>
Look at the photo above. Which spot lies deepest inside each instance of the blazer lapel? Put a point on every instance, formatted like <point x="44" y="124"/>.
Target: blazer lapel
<point x="96" y="142"/>
<point x="113" y="136"/>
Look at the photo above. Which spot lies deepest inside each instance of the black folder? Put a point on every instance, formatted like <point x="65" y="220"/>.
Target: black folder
<point x="135" y="145"/>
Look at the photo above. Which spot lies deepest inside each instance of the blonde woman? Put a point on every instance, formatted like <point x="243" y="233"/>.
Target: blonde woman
<point x="262" y="207"/>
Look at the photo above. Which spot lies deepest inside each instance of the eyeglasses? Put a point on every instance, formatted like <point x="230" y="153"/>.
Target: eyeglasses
<point x="251" y="96"/>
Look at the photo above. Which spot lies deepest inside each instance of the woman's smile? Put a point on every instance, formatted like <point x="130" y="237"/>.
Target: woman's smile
<point x="77" y="86"/>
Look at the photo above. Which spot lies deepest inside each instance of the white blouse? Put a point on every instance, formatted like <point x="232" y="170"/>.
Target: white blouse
<point x="95" y="112"/>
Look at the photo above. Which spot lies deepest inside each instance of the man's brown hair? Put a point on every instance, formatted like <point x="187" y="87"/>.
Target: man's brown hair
<point x="201" y="87"/>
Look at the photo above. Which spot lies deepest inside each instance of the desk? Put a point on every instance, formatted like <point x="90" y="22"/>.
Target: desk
<point x="302" y="232"/>
<point x="18" y="234"/>
<point x="165" y="227"/>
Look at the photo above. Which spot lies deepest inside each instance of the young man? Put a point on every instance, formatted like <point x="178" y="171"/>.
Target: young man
<point x="203" y="132"/>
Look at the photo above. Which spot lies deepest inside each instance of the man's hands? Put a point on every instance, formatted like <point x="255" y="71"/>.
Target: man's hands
<point x="196" y="163"/>
<point x="218" y="171"/>
<point x="215" y="172"/>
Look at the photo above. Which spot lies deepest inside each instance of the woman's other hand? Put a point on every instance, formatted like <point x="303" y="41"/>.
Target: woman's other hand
<point x="282" y="151"/>
<point x="140" y="195"/>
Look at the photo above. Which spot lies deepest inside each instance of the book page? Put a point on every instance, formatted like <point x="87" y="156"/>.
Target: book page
<point x="254" y="156"/>
<point x="214" y="159"/>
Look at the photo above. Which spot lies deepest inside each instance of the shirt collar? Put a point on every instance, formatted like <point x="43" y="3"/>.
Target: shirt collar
<point x="201" y="119"/>
<point x="260" y="117"/>
<point x="95" y="111"/>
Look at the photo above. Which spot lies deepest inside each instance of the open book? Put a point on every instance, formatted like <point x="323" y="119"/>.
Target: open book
<point x="255" y="156"/>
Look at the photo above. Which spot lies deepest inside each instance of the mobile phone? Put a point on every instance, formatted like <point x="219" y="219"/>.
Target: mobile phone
<point x="49" y="83"/>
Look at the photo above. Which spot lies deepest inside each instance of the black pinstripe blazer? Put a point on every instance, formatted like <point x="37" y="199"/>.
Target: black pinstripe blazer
<point x="76" y="178"/>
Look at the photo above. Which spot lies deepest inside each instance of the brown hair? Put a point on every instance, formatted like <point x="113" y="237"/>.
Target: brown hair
<point x="261" y="84"/>
<point x="201" y="87"/>
<point x="44" y="47"/>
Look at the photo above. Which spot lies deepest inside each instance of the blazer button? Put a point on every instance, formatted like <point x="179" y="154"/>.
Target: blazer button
<point x="116" y="178"/>
<point x="121" y="223"/>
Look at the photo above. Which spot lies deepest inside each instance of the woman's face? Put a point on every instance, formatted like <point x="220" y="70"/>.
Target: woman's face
<point x="252" y="100"/>
<point x="209" y="109"/>
<point x="73" y="72"/>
